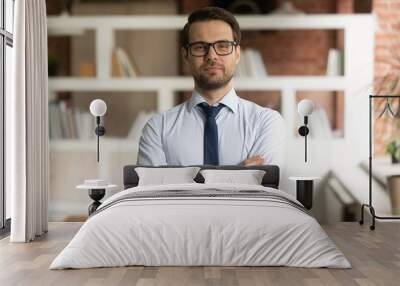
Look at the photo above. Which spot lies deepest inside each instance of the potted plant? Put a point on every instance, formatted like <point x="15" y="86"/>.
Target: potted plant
<point x="52" y="64"/>
<point x="393" y="149"/>
<point x="394" y="193"/>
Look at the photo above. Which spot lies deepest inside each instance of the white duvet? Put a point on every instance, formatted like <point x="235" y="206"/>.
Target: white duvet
<point x="183" y="231"/>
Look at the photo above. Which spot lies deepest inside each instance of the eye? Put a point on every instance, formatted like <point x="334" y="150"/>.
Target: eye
<point x="199" y="47"/>
<point x="223" y="45"/>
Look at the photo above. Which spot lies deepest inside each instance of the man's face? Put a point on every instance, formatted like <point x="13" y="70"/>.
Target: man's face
<point x="211" y="71"/>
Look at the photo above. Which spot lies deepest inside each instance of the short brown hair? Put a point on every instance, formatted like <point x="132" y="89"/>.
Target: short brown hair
<point x="208" y="14"/>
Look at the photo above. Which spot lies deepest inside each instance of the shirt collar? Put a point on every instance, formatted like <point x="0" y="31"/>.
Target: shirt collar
<point x="230" y="99"/>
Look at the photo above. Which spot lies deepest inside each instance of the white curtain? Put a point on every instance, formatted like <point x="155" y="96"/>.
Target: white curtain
<point x="27" y="145"/>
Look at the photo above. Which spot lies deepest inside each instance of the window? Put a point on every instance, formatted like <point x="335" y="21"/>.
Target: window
<point x="9" y="15"/>
<point x="6" y="44"/>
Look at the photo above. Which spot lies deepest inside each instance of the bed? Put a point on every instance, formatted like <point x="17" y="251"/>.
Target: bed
<point x="201" y="224"/>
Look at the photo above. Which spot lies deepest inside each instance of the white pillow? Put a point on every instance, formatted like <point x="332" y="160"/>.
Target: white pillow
<point x="248" y="177"/>
<point x="163" y="176"/>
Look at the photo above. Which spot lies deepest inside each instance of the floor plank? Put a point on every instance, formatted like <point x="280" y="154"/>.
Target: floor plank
<point x="374" y="255"/>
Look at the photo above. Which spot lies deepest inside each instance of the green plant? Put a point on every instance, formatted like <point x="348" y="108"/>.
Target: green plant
<point x="52" y="64"/>
<point x="393" y="149"/>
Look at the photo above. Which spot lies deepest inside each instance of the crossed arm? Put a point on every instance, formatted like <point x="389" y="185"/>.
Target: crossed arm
<point x="268" y="147"/>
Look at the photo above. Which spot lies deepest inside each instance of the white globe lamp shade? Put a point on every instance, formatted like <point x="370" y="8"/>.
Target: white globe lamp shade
<point x="305" y="107"/>
<point x="98" y="107"/>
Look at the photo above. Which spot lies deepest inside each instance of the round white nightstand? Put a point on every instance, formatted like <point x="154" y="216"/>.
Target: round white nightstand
<point x="97" y="190"/>
<point x="304" y="189"/>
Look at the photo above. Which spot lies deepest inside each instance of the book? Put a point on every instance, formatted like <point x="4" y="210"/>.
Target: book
<point x="87" y="69"/>
<point x="66" y="131"/>
<point x="87" y="125"/>
<point x="116" y="69"/>
<point x="55" y="131"/>
<point x="257" y="63"/>
<point x="320" y="126"/>
<point x="125" y="66"/>
<point x="71" y="122"/>
<point x="241" y="67"/>
<point x="254" y="64"/>
<point x="251" y="64"/>
<point x="64" y="120"/>
<point x="335" y="65"/>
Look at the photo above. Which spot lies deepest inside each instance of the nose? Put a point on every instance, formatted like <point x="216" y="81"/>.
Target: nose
<point x="211" y="55"/>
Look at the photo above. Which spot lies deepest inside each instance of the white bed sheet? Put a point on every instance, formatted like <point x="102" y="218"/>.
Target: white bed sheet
<point x="200" y="231"/>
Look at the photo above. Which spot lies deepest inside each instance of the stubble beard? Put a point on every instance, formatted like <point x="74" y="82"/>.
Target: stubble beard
<point x="207" y="83"/>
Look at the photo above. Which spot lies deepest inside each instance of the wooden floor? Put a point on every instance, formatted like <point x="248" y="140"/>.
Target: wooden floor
<point x="374" y="255"/>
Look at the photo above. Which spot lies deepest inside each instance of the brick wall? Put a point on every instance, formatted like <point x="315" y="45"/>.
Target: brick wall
<point x="288" y="53"/>
<point x="387" y="68"/>
<point x="58" y="47"/>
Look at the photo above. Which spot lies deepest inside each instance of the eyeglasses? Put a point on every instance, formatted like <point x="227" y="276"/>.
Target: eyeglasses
<point x="201" y="49"/>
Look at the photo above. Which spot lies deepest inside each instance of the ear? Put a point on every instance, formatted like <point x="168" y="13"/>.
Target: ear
<point x="237" y="54"/>
<point x="185" y="54"/>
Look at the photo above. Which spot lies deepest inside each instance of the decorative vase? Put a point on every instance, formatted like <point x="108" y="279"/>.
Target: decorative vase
<point x="395" y="160"/>
<point x="394" y="193"/>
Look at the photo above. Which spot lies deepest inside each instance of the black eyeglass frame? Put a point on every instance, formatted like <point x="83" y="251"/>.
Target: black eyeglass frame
<point x="189" y="45"/>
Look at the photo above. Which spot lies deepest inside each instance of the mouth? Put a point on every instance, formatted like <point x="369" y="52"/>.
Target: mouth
<point x="213" y="68"/>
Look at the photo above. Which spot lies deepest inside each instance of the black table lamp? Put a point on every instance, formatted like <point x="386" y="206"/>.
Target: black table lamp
<point x="98" y="108"/>
<point x="97" y="187"/>
<point x="305" y="108"/>
<point x="304" y="184"/>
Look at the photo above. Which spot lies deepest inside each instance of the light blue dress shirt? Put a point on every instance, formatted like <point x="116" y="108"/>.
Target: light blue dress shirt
<point x="245" y="129"/>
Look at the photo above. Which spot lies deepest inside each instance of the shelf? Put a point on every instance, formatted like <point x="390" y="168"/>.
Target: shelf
<point x="120" y="144"/>
<point x="358" y="33"/>
<point x="186" y="83"/>
<point x="58" y="24"/>
<point x="128" y="144"/>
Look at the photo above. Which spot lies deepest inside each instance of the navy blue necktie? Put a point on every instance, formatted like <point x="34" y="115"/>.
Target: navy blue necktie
<point x="210" y="133"/>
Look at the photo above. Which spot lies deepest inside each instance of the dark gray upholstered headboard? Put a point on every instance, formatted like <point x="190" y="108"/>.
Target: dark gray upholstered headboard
<point x="270" y="179"/>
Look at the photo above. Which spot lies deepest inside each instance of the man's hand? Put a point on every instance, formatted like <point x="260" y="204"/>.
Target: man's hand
<point x="255" y="160"/>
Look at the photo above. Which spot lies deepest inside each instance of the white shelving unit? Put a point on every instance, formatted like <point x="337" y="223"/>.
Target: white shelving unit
<point x="359" y="33"/>
<point x="186" y="83"/>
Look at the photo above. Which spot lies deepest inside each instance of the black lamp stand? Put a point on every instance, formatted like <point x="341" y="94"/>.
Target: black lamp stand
<point x="100" y="131"/>
<point x="369" y="205"/>
<point x="303" y="131"/>
<point x="304" y="192"/>
<point x="304" y="186"/>
<point x="96" y="195"/>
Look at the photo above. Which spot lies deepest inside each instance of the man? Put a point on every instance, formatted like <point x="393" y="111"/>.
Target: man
<point x="214" y="126"/>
